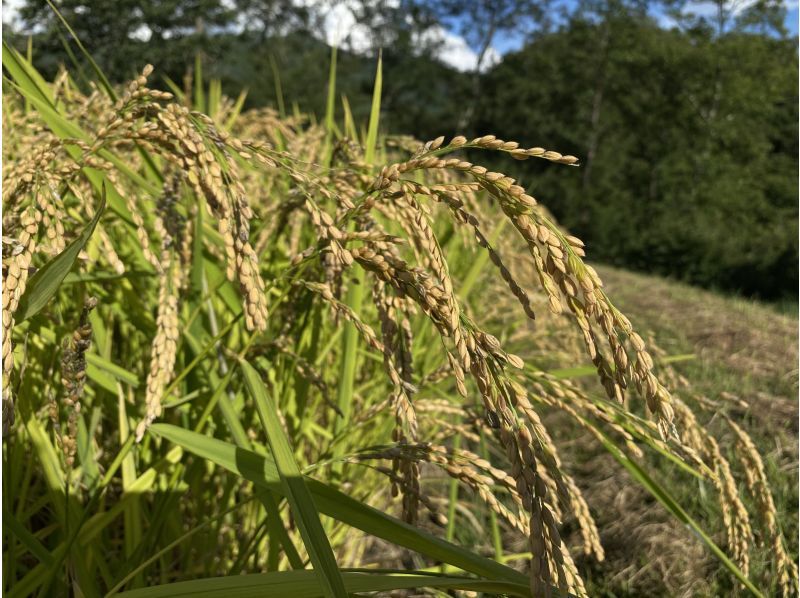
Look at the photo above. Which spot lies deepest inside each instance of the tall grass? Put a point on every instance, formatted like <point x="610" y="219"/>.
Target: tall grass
<point x="244" y="343"/>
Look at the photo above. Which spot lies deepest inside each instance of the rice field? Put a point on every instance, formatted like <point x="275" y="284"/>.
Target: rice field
<point x="249" y="353"/>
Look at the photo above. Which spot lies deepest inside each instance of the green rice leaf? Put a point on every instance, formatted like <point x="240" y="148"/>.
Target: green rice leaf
<point x="295" y="490"/>
<point x="374" y="113"/>
<point x="199" y="96"/>
<point x="97" y="70"/>
<point x="120" y="373"/>
<point x="330" y="107"/>
<point x="26" y="76"/>
<point x="302" y="584"/>
<point x="261" y="470"/>
<point x="44" y="284"/>
<point x="237" y="108"/>
<point x="30" y="541"/>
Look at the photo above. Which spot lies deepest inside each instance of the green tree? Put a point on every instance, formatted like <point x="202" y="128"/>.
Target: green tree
<point x="480" y="23"/>
<point x="690" y="150"/>
<point x="268" y="18"/>
<point x="123" y="34"/>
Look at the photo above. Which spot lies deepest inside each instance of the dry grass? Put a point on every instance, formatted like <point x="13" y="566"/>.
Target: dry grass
<point x="739" y="334"/>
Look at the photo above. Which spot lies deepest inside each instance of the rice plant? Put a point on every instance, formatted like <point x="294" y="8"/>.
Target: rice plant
<point x="250" y="353"/>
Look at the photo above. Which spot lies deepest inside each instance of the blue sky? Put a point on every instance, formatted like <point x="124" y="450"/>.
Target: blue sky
<point x="791" y="21"/>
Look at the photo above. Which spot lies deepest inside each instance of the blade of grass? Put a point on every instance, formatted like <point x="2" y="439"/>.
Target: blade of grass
<point x="27" y="77"/>
<point x="453" y="498"/>
<point x="199" y="96"/>
<point x="301" y="584"/>
<point x="276" y="78"/>
<point x="330" y="107"/>
<point x="120" y="373"/>
<point x="44" y="284"/>
<point x="36" y="548"/>
<point x="355" y="293"/>
<point x="349" y="360"/>
<point x="235" y="110"/>
<point x="590" y="370"/>
<point x="349" y="123"/>
<point x="479" y="264"/>
<point x="97" y="70"/>
<point x="214" y="97"/>
<point x="261" y="470"/>
<point x="296" y="492"/>
<point x="375" y="113"/>
<point x="497" y="539"/>
<point x="29" y="56"/>
<point x="140" y="568"/>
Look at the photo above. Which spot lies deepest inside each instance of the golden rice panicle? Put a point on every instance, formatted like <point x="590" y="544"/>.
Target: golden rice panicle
<point x="568" y="491"/>
<point x="109" y="252"/>
<point x="365" y="330"/>
<point x="405" y="430"/>
<point x="734" y="513"/>
<point x="73" y="378"/>
<point x="397" y="351"/>
<point x="758" y="486"/>
<point x="191" y="142"/>
<point x="418" y="495"/>
<point x="563" y="274"/>
<point x="512" y="147"/>
<point x="142" y="235"/>
<point x="547" y="559"/>
<point x="15" y="277"/>
<point x="52" y="219"/>
<point x="557" y="258"/>
<point x="444" y="194"/>
<point x="170" y="225"/>
<point x="478" y="475"/>
<point x="448" y="305"/>
<point x="31" y="172"/>
<point x="560" y="394"/>
<point x="545" y="540"/>
<point x="165" y="345"/>
<point x="472" y="471"/>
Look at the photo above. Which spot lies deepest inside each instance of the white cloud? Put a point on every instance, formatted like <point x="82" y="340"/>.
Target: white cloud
<point x="10" y="10"/>
<point x="709" y="10"/>
<point x="143" y="33"/>
<point x="339" y="27"/>
<point x="456" y="52"/>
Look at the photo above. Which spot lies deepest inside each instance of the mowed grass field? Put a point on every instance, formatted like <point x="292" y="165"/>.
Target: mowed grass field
<point x="746" y="358"/>
<point x="742" y="347"/>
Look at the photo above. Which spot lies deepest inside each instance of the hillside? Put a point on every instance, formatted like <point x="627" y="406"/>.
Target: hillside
<point x="742" y="346"/>
<point x="746" y="357"/>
